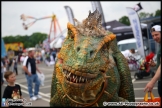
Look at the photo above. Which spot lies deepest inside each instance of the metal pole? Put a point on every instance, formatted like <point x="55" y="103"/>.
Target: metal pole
<point x="148" y="33"/>
<point x="148" y="39"/>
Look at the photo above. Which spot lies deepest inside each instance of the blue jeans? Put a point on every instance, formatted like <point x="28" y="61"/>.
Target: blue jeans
<point x="30" y="80"/>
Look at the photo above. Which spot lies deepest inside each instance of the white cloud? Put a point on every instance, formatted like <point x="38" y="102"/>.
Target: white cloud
<point x="11" y="11"/>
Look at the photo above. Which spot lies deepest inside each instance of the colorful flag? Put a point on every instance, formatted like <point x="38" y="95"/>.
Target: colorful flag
<point x="138" y="7"/>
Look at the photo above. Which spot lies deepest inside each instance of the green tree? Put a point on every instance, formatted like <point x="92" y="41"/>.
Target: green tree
<point x="143" y="15"/>
<point x="124" y="20"/>
<point x="158" y="13"/>
<point x="28" y="41"/>
<point x="27" y="44"/>
<point x="9" y="39"/>
<point x="152" y="14"/>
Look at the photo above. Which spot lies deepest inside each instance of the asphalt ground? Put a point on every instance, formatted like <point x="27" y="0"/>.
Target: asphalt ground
<point x="45" y="90"/>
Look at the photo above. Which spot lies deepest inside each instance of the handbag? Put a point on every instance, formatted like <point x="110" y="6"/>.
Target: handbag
<point x="41" y="77"/>
<point x="4" y="69"/>
<point x="152" y="102"/>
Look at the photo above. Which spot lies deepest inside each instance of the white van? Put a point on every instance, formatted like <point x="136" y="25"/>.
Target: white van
<point x="127" y="44"/>
<point x="131" y="44"/>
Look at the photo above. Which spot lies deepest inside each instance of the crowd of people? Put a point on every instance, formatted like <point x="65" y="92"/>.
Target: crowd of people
<point x="41" y="56"/>
<point x="28" y="61"/>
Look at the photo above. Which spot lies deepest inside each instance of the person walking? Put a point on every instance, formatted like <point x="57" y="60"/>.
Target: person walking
<point x="14" y="63"/>
<point x="156" y="35"/>
<point x="29" y="66"/>
<point x="43" y="54"/>
<point x="22" y="60"/>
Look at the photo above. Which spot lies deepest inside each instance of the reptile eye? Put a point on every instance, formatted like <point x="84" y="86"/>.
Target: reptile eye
<point x="91" y="53"/>
<point x="78" y="49"/>
<point x="70" y="34"/>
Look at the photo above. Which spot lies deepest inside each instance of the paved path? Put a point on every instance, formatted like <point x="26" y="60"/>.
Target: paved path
<point x="45" y="90"/>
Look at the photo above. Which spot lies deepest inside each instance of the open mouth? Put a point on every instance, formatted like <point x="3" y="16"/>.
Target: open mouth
<point x="78" y="77"/>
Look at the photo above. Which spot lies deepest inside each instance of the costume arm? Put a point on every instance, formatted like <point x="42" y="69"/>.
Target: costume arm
<point x="126" y="88"/>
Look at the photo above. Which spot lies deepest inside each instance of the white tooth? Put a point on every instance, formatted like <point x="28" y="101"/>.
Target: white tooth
<point x="76" y="77"/>
<point x="73" y="76"/>
<point x="73" y="80"/>
<point x="69" y="74"/>
<point x="80" y="79"/>
<point x="76" y="80"/>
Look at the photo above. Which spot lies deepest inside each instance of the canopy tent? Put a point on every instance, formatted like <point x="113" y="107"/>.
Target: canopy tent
<point x="113" y="24"/>
<point x="125" y="32"/>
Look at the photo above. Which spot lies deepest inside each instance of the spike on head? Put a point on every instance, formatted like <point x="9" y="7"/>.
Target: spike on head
<point x="92" y="26"/>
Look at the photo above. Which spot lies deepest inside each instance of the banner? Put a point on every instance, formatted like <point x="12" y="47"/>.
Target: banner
<point x="138" y="7"/>
<point x="17" y="46"/>
<point x="97" y="5"/>
<point x="135" y="24"/>
<point x="70" y="14"/>
<point x="3" y="49"/>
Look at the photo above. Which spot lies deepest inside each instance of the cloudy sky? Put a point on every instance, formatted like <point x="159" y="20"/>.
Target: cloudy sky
<point x="11" y="11"/>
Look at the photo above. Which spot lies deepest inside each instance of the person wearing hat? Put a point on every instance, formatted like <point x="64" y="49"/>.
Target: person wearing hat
<point x="156" y="35"/>
<point x="29" y="66"/>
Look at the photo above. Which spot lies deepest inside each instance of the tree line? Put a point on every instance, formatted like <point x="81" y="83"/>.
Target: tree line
<point x="27" y="40"/>
<point x="142" y="15"/>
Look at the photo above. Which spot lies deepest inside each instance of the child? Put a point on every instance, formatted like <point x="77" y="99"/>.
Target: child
<point x="12" y="91"/>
